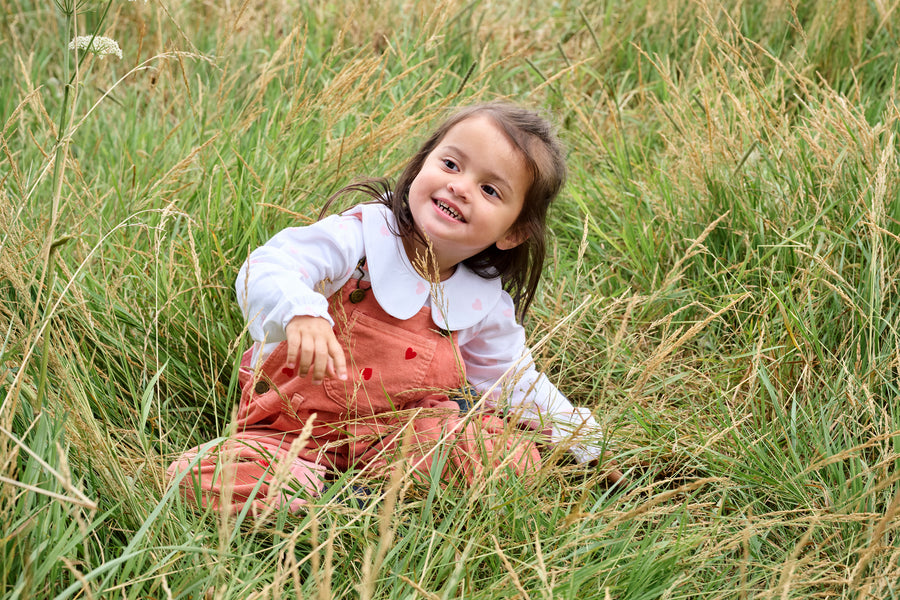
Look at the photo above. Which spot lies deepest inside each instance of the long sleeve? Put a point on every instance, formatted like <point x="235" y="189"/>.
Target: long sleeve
<point x="295" y="272"/>
<point x="299" y="268"/>
<point x="495" y="351"/>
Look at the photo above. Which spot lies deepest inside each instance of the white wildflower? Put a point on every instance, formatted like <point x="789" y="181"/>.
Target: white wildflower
<point x="101" y="46"/>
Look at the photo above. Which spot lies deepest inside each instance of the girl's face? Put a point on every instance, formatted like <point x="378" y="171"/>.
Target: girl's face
<point x="469" y="193"/>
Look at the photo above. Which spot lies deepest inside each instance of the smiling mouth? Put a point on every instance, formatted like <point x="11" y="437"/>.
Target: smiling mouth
<point x="449" y="210"/>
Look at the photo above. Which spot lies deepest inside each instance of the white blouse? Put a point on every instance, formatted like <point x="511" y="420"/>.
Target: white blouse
<point x="300" y="267"/>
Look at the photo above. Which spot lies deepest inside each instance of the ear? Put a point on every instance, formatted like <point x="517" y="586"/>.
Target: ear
<point x="513" y="238"/>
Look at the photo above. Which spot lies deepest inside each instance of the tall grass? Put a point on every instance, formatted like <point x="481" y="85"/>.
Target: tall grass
<point x="724" y="257"/>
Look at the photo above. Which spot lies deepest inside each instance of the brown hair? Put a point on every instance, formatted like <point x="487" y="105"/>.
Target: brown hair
<point x="519" y="268"/>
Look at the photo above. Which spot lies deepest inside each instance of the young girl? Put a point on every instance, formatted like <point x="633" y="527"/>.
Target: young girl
<point x="364" y="322"/>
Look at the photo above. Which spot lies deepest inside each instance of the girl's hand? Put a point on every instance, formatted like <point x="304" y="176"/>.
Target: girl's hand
<point x="312" y="340"/>
<point x="611" y="474"/>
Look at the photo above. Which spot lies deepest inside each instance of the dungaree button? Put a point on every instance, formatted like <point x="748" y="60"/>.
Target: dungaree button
<point x="261" y="387"/>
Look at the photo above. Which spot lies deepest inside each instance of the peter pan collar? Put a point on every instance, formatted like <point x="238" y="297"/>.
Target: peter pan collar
<point x="464" y="299"/>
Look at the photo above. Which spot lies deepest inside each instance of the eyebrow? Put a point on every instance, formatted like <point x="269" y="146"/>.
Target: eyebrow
<point x="491" y="175"/>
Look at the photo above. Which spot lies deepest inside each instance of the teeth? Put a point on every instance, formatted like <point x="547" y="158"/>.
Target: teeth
<point x="449" y="210"/>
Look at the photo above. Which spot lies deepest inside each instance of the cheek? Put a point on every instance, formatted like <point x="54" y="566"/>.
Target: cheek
<point x="514" y="219"/>
<point x="416" y="190"/>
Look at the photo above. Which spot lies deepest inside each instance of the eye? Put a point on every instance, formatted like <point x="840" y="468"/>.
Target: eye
<point x="449" y="163"/>
<point x="490" y="190"/>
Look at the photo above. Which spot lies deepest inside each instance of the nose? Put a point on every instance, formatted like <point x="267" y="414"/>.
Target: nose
<point x="458" y="188"/>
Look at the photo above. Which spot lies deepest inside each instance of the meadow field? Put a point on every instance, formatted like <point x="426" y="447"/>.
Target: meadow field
<point x="722" y="290"/>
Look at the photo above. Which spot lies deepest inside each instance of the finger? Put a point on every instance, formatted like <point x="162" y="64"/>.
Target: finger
<point x="339" y="360"/>
<point x="615" y="476"/>
<point x="294" y="340"/>
<point x="307" y="355"/>
<point x="320" y="362"/>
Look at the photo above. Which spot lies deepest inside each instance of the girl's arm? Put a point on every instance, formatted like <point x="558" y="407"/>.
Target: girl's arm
<point x="495" y="350"/>
<point x="293" y="274"/>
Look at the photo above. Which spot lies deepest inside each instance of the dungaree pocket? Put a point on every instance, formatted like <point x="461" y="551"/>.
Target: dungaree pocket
<point x="387" y="366"/>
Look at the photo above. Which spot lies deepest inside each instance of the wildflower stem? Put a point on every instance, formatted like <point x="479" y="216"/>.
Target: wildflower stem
<point x="45" y="353"/>
<point x="59" y="159"/>
<point x="63" y="138"/>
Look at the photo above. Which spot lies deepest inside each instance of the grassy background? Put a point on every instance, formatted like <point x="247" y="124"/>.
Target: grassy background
<point x="731" y="223"/>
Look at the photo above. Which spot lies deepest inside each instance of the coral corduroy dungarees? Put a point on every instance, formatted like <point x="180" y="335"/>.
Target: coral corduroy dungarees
<point x="400" y="371"/>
